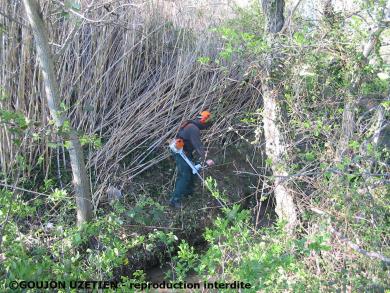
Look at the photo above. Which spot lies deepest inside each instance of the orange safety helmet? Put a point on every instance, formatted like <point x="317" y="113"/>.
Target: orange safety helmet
<point x="204" y="117"/>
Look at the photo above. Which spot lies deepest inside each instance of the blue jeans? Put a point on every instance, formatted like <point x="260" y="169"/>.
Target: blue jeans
<point x="184" y="180"/>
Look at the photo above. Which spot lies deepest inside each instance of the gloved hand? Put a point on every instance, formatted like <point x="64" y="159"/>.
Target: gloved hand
<point x="210" y="163"/>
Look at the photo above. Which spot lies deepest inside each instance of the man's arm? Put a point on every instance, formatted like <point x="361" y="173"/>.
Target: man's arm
<point x="194" y="134"/>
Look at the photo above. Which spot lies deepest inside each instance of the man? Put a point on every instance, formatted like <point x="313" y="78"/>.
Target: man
<point x="190" y="133"/>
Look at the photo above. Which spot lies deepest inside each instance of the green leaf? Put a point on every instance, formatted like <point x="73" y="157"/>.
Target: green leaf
<point x="386" y="105"/>
<point x="203" y="60"/>
<point x="40" y="160"/>
<point x="232" y="213"/>
<point x="299" y="38"/>
<point x="2" y="31"/>
<point x="310" y="156"/>
<point x="353" y="144"/>
<point x="306" y="124"/>
<point x="67" y="144"/>
<point x="58" y="195"/>
<point x="76" y="240"/>
<point x="65" y="14"/>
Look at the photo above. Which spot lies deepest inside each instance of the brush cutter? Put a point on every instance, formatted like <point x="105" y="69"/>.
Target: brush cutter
<point x="175" y="147"/>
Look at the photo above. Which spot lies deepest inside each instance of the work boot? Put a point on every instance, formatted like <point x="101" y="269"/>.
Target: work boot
<point x="188" y="194"/>
<point x="175" y="204"/>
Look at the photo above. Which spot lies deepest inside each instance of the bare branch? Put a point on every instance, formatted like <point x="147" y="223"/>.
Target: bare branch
<point x="12" y="19"/>
<point x="349" y="242"/>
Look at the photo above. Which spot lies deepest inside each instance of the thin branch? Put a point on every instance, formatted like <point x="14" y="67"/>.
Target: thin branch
<point x="13" y="19"/>
<point x="22" y="189"/>
<point x="287" y="23"/>
<point x="359" y="249"/>
<point x="350" y="243"/>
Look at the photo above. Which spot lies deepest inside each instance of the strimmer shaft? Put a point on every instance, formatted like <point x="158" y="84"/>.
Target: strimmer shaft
<point x="195" y="169"/>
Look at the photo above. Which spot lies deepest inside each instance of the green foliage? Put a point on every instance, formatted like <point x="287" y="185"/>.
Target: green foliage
<point x="185" y="260"/>
<point x="58" y="195"/>
<point x="300" y="38"/>
<point x="146" y="212"/>
<point x="267" y="259"/>
<point x="240" y="43"/>
<point x="204" y="60"/>
<point x="322" y="67"/>
<point x="317" y="78"/>
<point x="251" y="118"/>
<point x="91" y="252"/>
<point x="16" y="121"/>
<point x="94" y="140"/>
<point x="375" y="87"/>
<point x="211" y="184"/>
<point x="3" y="30"/>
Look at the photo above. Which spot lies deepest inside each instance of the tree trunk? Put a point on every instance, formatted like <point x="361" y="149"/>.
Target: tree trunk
<point x="275" y="143"/>
<point x="272" y="90"/>
<point x="351" y="100"/>
<point x="80" y="180"/>
<point x="273" y="10"/>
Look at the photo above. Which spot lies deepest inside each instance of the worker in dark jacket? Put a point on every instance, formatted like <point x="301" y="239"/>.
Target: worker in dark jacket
<point x="190" y="134"/>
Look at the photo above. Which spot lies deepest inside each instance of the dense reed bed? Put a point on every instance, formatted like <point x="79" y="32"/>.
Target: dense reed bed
<point x="129" y="74"/>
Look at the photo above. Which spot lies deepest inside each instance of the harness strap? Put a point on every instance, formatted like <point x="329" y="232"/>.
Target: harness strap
<point x="183" y="126"/>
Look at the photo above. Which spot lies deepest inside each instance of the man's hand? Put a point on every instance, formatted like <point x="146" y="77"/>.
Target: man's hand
<point x="210" y="163"/>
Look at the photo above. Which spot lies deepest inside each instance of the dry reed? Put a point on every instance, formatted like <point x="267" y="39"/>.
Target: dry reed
<point x="129" y="76"/>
